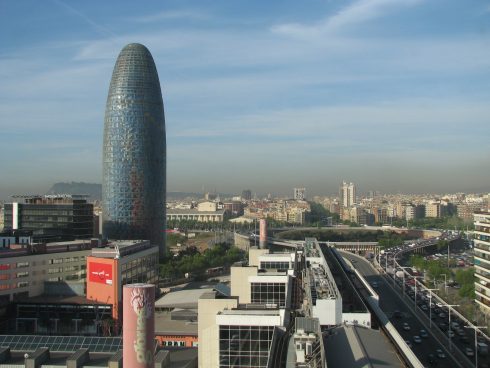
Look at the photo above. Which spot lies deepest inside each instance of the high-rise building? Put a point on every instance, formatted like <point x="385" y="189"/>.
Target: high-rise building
<point x="300" y="194"/>
<point x="347" y="194"/>
<point x="247" y="195"/>
<point x="134" y="157"/>
<point x="482" y="260"/>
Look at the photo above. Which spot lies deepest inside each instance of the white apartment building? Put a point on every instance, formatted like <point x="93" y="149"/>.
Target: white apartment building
<point x="347" y="194"/>
<point x="299" y="194"/>
<point x="482" y="260"/>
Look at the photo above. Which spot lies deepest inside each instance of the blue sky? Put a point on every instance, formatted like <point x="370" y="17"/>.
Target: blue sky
<point x="267" y="95"/>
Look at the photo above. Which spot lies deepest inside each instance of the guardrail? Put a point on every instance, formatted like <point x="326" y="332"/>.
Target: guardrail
<point x="423" y="287"/>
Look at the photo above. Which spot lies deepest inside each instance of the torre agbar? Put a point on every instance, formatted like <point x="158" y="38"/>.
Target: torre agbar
<point x="134" y="152"/>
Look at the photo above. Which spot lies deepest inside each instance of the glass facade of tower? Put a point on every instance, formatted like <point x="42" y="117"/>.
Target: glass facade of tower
<point x="134" y="152"/>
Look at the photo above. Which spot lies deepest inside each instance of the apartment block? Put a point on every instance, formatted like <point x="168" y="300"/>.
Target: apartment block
<point x="482" y="260"/>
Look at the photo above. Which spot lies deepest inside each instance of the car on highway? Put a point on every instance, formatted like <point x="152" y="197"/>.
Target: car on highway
<point x="406" y="326"/>
<point x="450" y="333"/>
<point x="423" y="334"/>
<point x="440" y="354"/>
<point x="469" y="352"/>
<point x="417" y="339"/>
<point x="397" y="314"/>
<point x="409" y="344"/>
<point x="431" y="359"/>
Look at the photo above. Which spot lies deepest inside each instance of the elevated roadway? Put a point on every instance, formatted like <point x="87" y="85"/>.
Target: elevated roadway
<point x="392" y="305"/>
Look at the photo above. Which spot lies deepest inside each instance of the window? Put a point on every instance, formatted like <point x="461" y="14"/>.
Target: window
<point x="244" y="346"/>
<point x="269" y="293"/>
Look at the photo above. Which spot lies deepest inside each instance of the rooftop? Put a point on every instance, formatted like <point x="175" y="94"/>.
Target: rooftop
<point x="356" y="347"/>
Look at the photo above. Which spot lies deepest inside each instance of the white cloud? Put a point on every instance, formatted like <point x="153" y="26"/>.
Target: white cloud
<point x="170" y="15"/>
<point x="358" y="12"/>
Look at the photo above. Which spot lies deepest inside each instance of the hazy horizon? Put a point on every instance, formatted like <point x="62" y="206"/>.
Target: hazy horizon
<point x="258" y="95"/>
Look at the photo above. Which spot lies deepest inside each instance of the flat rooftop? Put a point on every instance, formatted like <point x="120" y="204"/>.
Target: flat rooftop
<point x="358" y="347"/>
<point x="165" y="325"/>
<point x="50" y="299"/>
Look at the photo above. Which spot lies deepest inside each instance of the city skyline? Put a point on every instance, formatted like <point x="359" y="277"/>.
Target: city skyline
<point x="390" y="95"/>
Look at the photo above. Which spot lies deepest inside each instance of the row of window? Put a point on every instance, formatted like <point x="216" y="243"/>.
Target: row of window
<point x="269" y="293"/>
<point x="66" y="260"/>
<point x="274" y="265"/>
<point x="173" y="343"/>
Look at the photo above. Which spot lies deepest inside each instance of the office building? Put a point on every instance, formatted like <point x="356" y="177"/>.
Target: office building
<point x="58" y="217"/>
<point x="121" y="262"/>
<point x="134" y="151"/>
<point x="24" y="269"/>
<point x="482" y="260"/>
<point x="299" y="194"/>
<point x="347" y="194"/>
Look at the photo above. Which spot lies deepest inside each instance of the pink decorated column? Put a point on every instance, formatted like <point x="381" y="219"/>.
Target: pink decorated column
<point x="138" y="325"/>
<point x="263" y="234"/>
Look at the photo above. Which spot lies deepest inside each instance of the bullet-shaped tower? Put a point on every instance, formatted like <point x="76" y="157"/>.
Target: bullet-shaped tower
<point x="134" y="152"/>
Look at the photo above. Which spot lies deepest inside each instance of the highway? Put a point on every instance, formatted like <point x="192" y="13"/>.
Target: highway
<point x="390" y="301"/>
<point x="463" y="339"/>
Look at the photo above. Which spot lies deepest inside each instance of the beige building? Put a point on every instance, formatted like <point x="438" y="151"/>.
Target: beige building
<point x="433" y="209"/>
<point x="258" y="304"/>
<point x="194" y="215"/>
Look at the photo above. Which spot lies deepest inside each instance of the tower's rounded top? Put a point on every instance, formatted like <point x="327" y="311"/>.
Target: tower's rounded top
<point x="135" y="47"/>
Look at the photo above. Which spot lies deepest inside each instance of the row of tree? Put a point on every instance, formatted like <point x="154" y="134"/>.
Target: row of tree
<point x="191" y="261"/>
<point x="434" y="270"/>
<point x="445" y="223"/>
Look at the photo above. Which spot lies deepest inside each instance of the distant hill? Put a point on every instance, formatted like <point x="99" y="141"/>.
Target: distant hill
<point x="95" y="191"/>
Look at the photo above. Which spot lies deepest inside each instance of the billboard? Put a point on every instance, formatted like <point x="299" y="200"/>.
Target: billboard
<point x="100" y="272"/>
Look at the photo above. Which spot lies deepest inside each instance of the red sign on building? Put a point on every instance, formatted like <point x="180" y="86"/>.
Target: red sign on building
<point x="100" y="272"/>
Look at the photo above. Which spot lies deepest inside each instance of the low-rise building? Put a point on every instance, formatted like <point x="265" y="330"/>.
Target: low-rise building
<point x="121" y="262"/>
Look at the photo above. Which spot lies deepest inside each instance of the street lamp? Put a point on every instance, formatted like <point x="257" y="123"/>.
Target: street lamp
<point x="403" y="282"/>
<point x="476" y="341"/>
<point x="415" y="298"/>
<point x="430" y="306"/>
<point x="449" y="306"/>
<point x="445" y="281"/>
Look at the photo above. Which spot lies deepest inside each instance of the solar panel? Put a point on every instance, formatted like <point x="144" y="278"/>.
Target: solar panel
<point x="62" y="344"/>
